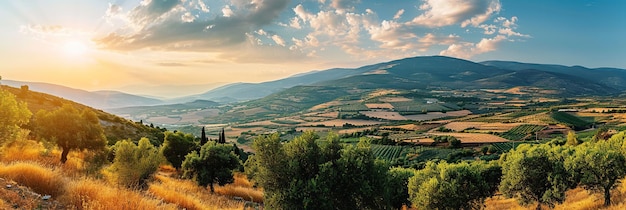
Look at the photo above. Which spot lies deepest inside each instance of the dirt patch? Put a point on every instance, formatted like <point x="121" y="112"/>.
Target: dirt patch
<point x="341" y="122"/>
<point x="459" y="126"/>
<point x="474" y="137"/>
<point x="394" y="99"/>
<point x="384" y="115"/>
<point x="379" y="106"/>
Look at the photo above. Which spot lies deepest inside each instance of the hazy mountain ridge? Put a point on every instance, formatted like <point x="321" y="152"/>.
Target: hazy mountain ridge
<point x="612" y="77"/>
<point x="97" y="99"/>
<point x="249" y="91"/>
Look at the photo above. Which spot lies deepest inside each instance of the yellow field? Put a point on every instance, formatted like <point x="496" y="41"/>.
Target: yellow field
<point x="379" y="106"/>
<point x="474" y="137"/>
<point x="341" y="122"/>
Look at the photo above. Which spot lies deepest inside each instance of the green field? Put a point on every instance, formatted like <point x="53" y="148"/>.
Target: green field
<point x="570" y="120"/>
<point x="522" y="131"/>
<point x="387" y="152"/>
<point x="413" y="107"/>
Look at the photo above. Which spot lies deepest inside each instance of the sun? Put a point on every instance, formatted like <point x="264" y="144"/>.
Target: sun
<point x="75" y="48"/>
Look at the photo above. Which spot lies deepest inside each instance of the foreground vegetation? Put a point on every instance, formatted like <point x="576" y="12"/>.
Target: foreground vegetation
<point x="307" y="171"/>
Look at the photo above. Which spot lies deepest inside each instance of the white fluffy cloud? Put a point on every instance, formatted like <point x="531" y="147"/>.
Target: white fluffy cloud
<point x="439" y="13"/>
<point x="467" y="50"/>
<point x="332" y="27"/>
<point x="187" y="17"/>
<point x="227" y="12"/>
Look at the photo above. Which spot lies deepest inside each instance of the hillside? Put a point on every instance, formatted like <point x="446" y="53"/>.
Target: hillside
<point x="248" y="91"/>
<point x="436" y="72"/>
<point x="96" y="99"/>
<point x="561" y="83"/>
<point x="612" y="77"/>
<point x="115" y="128"/>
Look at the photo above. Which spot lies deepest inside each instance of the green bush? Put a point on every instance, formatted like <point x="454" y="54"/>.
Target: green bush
<point x="134" y="164"/>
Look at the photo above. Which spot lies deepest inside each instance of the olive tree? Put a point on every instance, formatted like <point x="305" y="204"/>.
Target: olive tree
<point x="70" y="129"/>
<point x="214" y="164"/>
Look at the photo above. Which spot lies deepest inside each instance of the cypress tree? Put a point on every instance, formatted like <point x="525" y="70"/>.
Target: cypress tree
<point x="222" y="138"/>
<point x="203" y="138"/>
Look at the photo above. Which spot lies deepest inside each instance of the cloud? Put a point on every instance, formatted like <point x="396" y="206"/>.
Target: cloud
<point x="278" y="40"/>
<point x="202" y="6"/>
<point x="439" y="13"/>
<point x="344" y="4"/>
<point x="166" y="31"/>
<point x="113" y="10"/>
<point x="295" y="23"/>
<point x="152" y="11"/>
<point x="398" y="14"/>
<point x="227" y="12"/>
<point x="468" y="50"/>
<point x="187" y="17"/>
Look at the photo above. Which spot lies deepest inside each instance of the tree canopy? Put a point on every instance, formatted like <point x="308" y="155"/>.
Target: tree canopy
<point x="213" y="164"/>
<point x="134" y="164"/>
<point x="14" y="114"/>
<point x="535" y="173"/>
<point x="599" y="166"/>
<point x="70" y="129"/>
<point x="453" y="186"/>
<point x="176" y="146"/>
<point x="302" y="174"/>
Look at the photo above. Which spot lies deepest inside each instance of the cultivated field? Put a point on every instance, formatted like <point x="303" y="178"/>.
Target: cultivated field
<point x="474" y="137"/>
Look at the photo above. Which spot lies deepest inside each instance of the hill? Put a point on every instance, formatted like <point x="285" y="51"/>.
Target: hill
<point x="249" y="91"/>
<point x="611" y="77"/>
<point x="435" y="72"/>
<point x="115" y="128"/>
<point x="563" y="84"/>
<point x="96" y="99"/>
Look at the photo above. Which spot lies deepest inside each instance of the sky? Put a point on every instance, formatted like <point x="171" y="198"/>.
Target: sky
<point x="173" y="48"/>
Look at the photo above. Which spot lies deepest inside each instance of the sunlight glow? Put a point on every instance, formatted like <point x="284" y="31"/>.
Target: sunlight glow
<point x="75" y="48"/>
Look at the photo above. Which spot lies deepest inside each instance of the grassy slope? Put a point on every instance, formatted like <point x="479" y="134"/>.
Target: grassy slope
<point x="38" y="171"/>
<point x="116" y="128"/>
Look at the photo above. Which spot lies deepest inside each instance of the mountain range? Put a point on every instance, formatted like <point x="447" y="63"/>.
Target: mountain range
<point x="408" y="73"/>
<point x="98" y="99"/>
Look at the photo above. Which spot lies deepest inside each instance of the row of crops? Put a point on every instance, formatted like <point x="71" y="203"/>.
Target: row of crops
<point x="522" y="131"/>
<point x="387" y="152"/>
<point x="570" y="120"/>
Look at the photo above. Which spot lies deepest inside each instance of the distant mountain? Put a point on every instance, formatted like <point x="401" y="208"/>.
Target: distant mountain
<point x="612" y="77"/>
<point x="163" y="109"/>
<point x="418" y="73"/>
<point x="562" y="83"/>
<point x="96" y="99"/>
<point x="431" y="72"/>
<point x="435" y="72"/>
<point x="249" y="91"/>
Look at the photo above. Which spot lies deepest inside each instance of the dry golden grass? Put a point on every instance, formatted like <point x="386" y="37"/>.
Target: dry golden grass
<point x="36" y="152"/>
<point x="242" y="188"/>
<point x="579" y="199"/>
<point x="474" y="137"/>
<point x="186" y="194"/>
<point x="42" y="180"/>
<point x="29" y="150"/>
<point x="95" y="195"/>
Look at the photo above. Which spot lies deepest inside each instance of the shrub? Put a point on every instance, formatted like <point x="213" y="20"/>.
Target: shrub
<point x="133" y="164"/>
